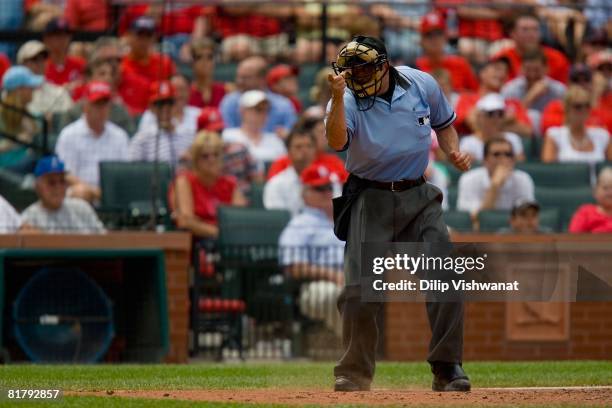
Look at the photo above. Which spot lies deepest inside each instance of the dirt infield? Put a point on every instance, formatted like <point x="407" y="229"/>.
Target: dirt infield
<point x="581" y="396"/>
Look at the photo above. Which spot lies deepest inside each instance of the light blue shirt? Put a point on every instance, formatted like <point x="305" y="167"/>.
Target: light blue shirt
<point x="309" y="238"/>
<point x="391" y="141"/>
<point x="281" y="114"/>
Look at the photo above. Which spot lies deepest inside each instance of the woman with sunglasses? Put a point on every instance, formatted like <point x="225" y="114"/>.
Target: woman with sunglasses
<point x="489" y="123"/>
<point x="197" y="193"/>
<point x="575" y="141"/>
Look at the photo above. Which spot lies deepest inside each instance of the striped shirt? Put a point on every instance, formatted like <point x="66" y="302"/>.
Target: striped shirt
<point x="74" y="216"/>
<point x="144" y="146"/>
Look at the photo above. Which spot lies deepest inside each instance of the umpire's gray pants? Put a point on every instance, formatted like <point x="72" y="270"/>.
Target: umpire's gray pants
<point x="413" y="215"/>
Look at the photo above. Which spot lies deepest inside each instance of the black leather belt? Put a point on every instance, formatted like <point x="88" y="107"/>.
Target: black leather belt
<point x="395" y="186"/>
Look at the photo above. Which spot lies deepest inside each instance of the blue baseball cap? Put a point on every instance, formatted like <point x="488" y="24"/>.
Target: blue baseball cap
<point x="49" y="165"/>
<point x="20" y="76"/>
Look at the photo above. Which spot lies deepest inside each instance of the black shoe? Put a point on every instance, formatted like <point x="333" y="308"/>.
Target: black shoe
<point x="449" y="377"/>
<point x="345" y="384"/>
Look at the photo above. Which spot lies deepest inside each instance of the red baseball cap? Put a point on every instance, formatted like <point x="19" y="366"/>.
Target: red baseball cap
<point x="210" y="119"/>
<point x="316" y="175"/>
<point x="279" y="72"/>
<point x="97" y="91"/>
<point x="161" y="91"/>
<point x="432" y="22"/>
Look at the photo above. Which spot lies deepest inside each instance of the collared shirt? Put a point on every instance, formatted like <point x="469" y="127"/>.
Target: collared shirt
<point x="309" y="238"/>
<point x="75" y="216"/>
<point x="144" y="146"/>
<point x="82" y="151"/>
<point x="284" y="192"/>
<point x="281" y="114"/>
<point x="391" y="142"/>
<point x="517" y="89"/>
<point x="9" y="219"/>
<point x="474" y="185"/>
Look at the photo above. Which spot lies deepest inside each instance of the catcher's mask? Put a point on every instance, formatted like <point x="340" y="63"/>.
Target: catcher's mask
<point x="363" y="59"/>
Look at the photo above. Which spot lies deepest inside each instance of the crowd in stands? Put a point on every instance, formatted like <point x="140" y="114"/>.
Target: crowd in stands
<point x="516" y="77"/>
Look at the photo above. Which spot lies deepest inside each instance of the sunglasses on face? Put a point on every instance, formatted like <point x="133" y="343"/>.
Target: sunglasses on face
<point x="495" y="114"/>
<point x="164" y="102"/>
<point x="581" y="79"/>
<point x="581" y="106"/>
<point x="323" y="189"/>
<point x="506" y="153"/>
<point x="207" y="57"/>
<point x="261" y="109"/>
<point x="605" y="68"/>
<point x="207" y="156"/>
<point x="40" y="57"/>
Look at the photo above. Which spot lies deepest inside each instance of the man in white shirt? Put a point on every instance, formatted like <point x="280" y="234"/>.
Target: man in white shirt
<point x="85" y="143"/>
<point x="284" y="190"/>
<point x="9" y="219"/>
<point x="54" y="212"/>
<point x="497" y="185"/>
<point x="163" y="137"/>
<point x="264" y="146"/>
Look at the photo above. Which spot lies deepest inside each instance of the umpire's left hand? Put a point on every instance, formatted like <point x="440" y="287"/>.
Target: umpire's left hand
<point x="461" y="160"/>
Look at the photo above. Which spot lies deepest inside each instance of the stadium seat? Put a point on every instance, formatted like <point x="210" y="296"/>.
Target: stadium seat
<point x="566" y="200"/>
<point x="452" y="192"/>
<point x="225" y="72"/>
<point x="13" y="191"/>
<point x="458" y="220"/>
<point x="532" y="147"/>
<point x="250" y="226"/>
<point x="558" y="174"/>
<point x="494" y="220"/>
<point x="256" y="195"/>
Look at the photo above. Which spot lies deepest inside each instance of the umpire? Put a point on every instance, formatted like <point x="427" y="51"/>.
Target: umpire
<point x="384" y="121"/>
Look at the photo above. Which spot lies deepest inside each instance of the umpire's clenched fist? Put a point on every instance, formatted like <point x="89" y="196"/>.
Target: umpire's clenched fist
<point x="337" y="85"/>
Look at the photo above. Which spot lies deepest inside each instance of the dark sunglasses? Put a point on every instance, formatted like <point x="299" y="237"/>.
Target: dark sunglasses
<point x="323" y="189"/>
<point x="39" y="57"/>
<point x="581" y="79"/>
<point x="208" y="57"/>
<point x="581" y="106"/>
<point x="495" y="114"/>
<point x="206" y="156"/>
<point x="605" y="68"/>
<point x="502" y="154"/>
<point x="163" y="102"/>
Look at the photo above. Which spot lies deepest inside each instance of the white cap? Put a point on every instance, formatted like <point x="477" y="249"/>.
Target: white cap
<point x="250" y="99"/>
<point x="491" y="102"/>
<point x="29" y="50"/>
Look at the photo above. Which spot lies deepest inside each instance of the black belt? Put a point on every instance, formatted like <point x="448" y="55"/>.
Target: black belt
<point x="395" y="186"/>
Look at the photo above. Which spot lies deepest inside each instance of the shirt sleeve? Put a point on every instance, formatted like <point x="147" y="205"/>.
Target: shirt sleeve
<point x="230" y="111"/>
<point x="441" y="112"/>
<point x="349" y="117"/>
<point x="272" y="197"/>
<point x="136" y="147"/>
<point x="468" y="199"/>
<point x="578" y="222"/>
<point x="293" y="245"/>
<point x="527" y="187"/>
<point x="65" y="152"/>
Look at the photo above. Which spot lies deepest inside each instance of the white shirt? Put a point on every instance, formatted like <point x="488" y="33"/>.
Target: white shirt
<point x="187" y="127"/>
<point x="269" y="148"/>
<point x="50" y="98"/>
<point x="474" y="146"/>
<point x="82" y="151"/>
<point x="474" y="184"/>
<point x="9" y="219"/>
<point x="171" y="146"/>
<point x="566" y="152"/>
<point x="75" y="216"/>
<point x="284" y="192"/>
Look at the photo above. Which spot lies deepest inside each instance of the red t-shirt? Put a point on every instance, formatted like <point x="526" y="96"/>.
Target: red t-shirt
<point x="206" y="200"/>
<point x="554" y="114"/>
<point x="462" y="76"/>
<point x="5" y="64"/>
<point x="217" y="93"/>
<point x="467" y="101"/>
<point x="158" y="67"/>
<point x="73" y="69"/>
<point x="558" y="65"/>
<point x="134" y="90"/>
<point x="487" y="29"/>
<point x="329" y="160"/>
<point x="179" y="21"/>
<point x="588" y="219"/>
<point x="87" y="15"/>
<point x="252" y="24"/>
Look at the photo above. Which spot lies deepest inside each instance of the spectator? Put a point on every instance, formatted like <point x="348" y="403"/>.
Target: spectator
<point x="204" y="90"/>
<point x="319" y="93"/>
<point x="323" y="157"/>
<point x="88" y="15"/>
<point x="91" y="139"/>
<point x="582" y="76"/>
<point x="433" y="42"/>
<point x="163" y="138"/>
<point x="526" y="36"/>
<point x="596" y="218"/>
<point x="576" y="142"/>
<point x="141" y="61"/>
<point x="102" y="70"/>
<point x="18" y="85"/>
<point x="184" y="117"/>
<point x="601" y="66"/>
<point x="54" y="212"/>
<point x="284" y="190"/>
<point x="62" y="69"/>
<point x="254" y="111"/>
<point x="251" y="75"/>
<point x="197" y="193"/>
<point x="9" y="219"/>
<point x="492" y="77"/>
<point x="48" y="98"/>
<point x="491" y="110"/>
<point x="525" y="219"/>
<point x="5" y="64"/>
<point x="310" y="251"/>
<point x="40" y="12"/>
<point x="283" y="80"/>
<point x="495" y="186"/>
<point x="534" y="88"/>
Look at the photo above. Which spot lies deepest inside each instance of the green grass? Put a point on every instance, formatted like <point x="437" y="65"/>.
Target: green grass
<point x="293" y="375"/>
